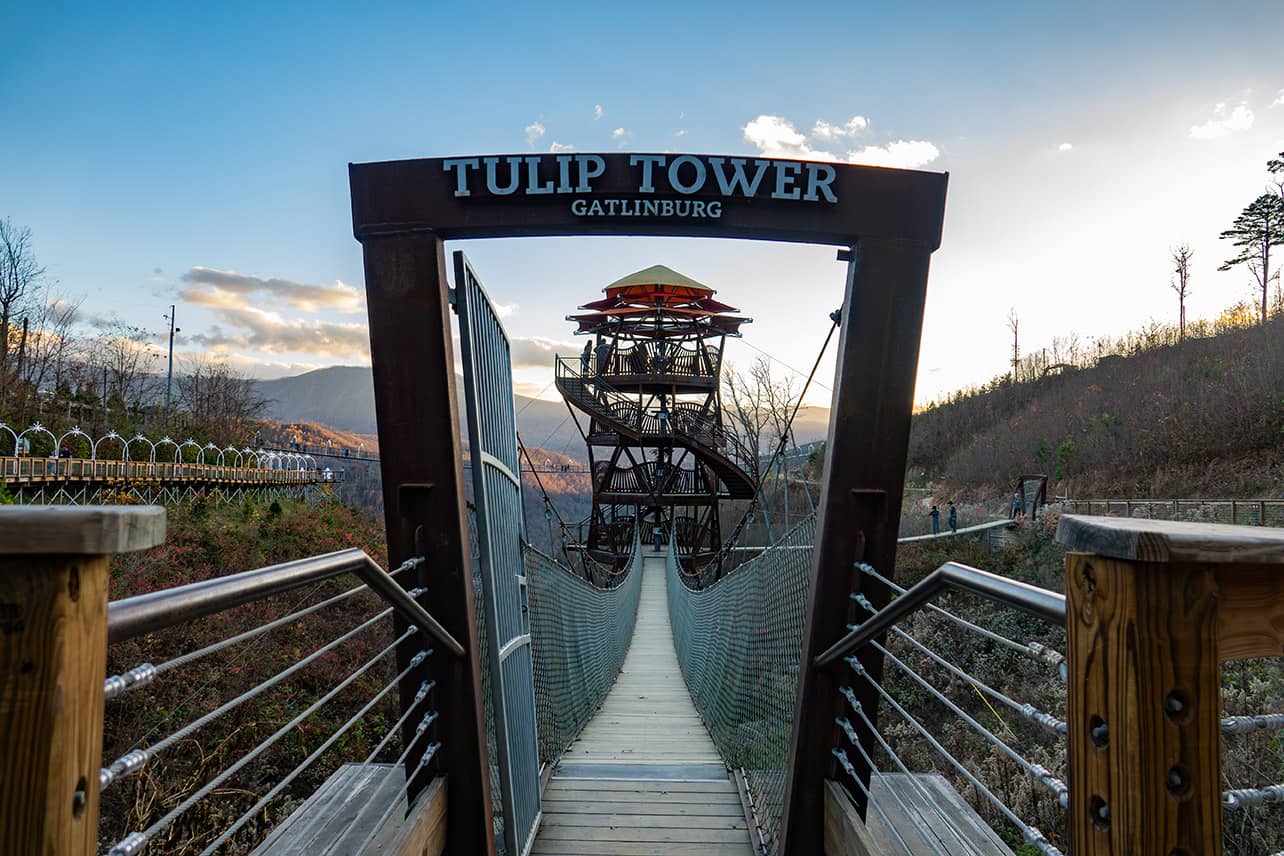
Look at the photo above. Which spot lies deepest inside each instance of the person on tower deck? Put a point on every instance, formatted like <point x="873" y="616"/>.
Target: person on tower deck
<point x="638" y="360"/>
<point x="663" y="416"/>
<point x="603" y="355"/>
<point x="935" y="514"/>
<point x="954" y="517"/>
<point x="585" y="356"/>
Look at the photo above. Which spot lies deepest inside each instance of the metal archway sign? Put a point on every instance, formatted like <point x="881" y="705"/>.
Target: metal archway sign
<point x="889" y="222"/>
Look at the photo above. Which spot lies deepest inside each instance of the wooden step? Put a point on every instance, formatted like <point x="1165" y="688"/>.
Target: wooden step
<point x="940" y="822"/>
<point x="337" y="819"/>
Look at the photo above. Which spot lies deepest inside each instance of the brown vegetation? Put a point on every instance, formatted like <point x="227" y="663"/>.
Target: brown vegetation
<point x="1147" y="415"/>
<point x="1249" y="687"/>
<point x="206" y="542"/>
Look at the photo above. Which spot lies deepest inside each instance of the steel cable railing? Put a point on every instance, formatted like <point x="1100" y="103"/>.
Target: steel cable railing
<point x="963" y="758"/>
<point x="164" y="797"/>
<point x="580" y="634"/>
<point x="739" y="644"/>
<point x="135" y="842"/>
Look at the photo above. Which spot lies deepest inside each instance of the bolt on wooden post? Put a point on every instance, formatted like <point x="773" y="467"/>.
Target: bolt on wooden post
<point x="1153" y="608"/>
<point x="53" y="661"/>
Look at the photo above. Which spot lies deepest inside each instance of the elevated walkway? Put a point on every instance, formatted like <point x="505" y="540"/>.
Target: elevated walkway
<point x="644" y="777"/>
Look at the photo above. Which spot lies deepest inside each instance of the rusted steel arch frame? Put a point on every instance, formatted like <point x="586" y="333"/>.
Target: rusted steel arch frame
<point x="889" y="222"/>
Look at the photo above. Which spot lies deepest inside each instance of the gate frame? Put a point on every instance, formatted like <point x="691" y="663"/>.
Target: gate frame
<point x="889" y="222"/>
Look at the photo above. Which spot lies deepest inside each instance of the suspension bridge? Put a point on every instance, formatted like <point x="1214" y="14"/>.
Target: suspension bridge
<point x="656" y="693"/>
<point x="77" y="468"/>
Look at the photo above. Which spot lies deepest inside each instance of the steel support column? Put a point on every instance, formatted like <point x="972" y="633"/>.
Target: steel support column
<point x="869" y="422"/>
<point x="421" y="461"/>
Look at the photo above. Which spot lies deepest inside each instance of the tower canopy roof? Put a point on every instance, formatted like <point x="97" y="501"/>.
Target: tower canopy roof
<point x="659" y="275"/>
<point x="658" y="302"/>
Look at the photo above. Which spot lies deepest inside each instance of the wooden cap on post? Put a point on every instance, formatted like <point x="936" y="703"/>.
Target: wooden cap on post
<point x="1144" y="540"/>
<point x="70" y="530"/>
<point x="53" y="660"/>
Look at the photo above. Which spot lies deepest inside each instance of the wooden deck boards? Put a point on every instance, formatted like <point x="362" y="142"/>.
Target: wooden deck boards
<point x="644" y="777"/>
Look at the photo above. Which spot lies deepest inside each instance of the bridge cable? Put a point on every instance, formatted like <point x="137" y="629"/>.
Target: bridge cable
<point x="548" y="501"/>
<point x="836" y="318"/>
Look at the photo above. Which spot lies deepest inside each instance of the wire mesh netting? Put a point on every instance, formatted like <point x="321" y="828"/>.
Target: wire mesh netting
<point x="580" y="634"/>
<point x="492" y="746"/>
<point x="739" y="643"/>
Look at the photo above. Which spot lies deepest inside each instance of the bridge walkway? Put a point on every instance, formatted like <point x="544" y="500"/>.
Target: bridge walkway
<point x="644" y="777"/>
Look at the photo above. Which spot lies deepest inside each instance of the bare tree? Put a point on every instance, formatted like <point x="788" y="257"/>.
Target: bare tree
<point x="1014" y="324"/>
<point x="49" y="344"/>
<point x="1181" y="256"/>
<point x="220" y="400"/>
<point x="747" y="400"/>
<point x="19" y="272"/>
<point x="124" y="355"/>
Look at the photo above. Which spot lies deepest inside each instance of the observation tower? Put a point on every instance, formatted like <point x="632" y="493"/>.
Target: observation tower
<point x="648" y="381"/>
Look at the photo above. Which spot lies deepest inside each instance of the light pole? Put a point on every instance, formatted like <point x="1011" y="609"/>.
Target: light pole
<point x="169" y="377"/>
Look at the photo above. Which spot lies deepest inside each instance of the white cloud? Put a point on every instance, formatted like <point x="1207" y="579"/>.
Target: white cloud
<point x="681" y="132"/>
<point x="1065" y="147"/>
<point x="561" y="147"/>
<point x="597" y="111"/>
<point x="537" y="352"/>
<point x="506" y="310"/>
<point x="267" y="332"/>
<point x="618" y="133"/>
<point x="1279" y="100"/>
<point x="904" y="154"/>
<point x="228" y="289"/>
<point x="853" y="126"/>
<point x="533" y="132"/>
<point x="776" y="136"/>
<point x="1223" y="122"/>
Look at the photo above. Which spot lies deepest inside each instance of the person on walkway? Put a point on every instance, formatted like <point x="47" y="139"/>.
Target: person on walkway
<point x="585" y="356"/>
<point x="1018" y="505"/>
<point x="954" y="518"/>
<point x="935" y="514"/>
<point x="659" y="538"/>
<point x="603" y="356"/>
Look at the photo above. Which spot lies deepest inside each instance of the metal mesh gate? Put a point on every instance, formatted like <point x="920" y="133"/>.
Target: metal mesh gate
<point x="492" y="442"/>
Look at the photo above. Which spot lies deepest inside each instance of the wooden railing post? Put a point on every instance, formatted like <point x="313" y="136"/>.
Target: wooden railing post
<point x="53" y="660"/>
<point x="1154" y="607"/>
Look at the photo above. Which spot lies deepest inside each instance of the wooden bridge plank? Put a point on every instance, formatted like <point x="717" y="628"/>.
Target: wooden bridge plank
<point x="644" y="777"/>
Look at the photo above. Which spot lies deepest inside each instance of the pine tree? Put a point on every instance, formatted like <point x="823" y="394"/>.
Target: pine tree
<point x="1259" y="227"/>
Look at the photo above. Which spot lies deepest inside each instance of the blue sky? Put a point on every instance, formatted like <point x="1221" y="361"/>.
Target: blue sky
<point x="155" y="150"/>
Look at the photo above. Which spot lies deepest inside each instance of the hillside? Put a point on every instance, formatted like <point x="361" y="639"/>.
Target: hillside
<point x="1204" y="416"/>
<point x="342" y="397"/>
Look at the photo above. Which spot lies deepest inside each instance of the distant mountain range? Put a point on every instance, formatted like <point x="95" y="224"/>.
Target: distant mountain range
<point x="343" y="398"/>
